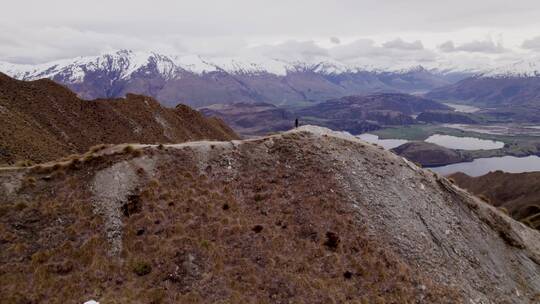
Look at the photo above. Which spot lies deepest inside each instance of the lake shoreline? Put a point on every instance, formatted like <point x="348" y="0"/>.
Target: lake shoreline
<point x="467" y="156"/>
<point x="482" y="166"/>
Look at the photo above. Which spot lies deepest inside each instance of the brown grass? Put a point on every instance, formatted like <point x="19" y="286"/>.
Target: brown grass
<point x="128" y="149"/>
<point x="484" y="198"/>
<point x="141" y="268"/>
<point x="274" y="233"/>
<point x="24" y="163"/>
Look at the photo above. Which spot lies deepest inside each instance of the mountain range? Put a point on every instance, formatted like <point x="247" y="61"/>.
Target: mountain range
<point x="491" y="91"/>
<point x="200" y="81"/>
<point x="304" y="216"/>
<point x="517" y="84"/>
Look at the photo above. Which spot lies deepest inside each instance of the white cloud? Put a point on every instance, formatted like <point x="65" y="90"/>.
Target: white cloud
<point x="49" y="43"/>
<point x="33" y="31"/>
<point x="447" y="46"/>
<point x="292" y="50"/>
<point x="335" y="40"/>
<point x="532" y="44"/>
<point x="355" y="49"/>
<point x="396" y="53"/>
<point x="398" y="43"/>
<point x="478" y="46"/>
<point x="486" y="46"/>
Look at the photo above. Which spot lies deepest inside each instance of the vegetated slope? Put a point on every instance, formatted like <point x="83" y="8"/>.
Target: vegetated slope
<point x="358" y="114"/>
<point x="309" y="216"/>
<point x="41" y="120"/>
<point x="448" y="117"/>
<point x="348" y="107"/>
<point x="519" y="193"/>
<point x="252" y="118"/>
<point x="355" y="114"/>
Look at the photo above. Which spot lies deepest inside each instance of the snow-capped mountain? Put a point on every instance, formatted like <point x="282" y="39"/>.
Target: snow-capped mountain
<point x="199" y="81"/>
<point x="122" y="63"/>
<point x="512" y="85"/>
<point x="125" y="63"/>
<point x="519" y="69"/>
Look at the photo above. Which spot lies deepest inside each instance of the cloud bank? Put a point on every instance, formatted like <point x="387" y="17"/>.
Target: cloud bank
<point x="360" y="31"/>
<point x="476" y="46"/>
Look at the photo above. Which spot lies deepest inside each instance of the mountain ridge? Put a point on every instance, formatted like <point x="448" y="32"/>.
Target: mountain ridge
<point x="42" y="120"/>
<point x="199" y="81"/>
<point x="309" y="215"/>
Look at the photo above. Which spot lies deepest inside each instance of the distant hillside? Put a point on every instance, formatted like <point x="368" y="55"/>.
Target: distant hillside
<point x="448" y="117"/>
<point x="41" y="120"/>
<point x="355" y="114"/>
<point x="519" y="193"/>
<point x="381" y="109"/>
<point x="252" y="118"/>
<point x="308" y="216"/>
<point x="491" y="91"/>
<point x="351" y="106"/>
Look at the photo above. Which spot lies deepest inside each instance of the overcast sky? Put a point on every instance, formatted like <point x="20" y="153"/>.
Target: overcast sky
<point x="35" y="31"/>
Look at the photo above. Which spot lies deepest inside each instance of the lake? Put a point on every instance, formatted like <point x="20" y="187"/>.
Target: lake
<point x="385" y="143"/>
<point x="464" y="143"/>
<point x="463" y="108"/>
<point x="481" y="166"/>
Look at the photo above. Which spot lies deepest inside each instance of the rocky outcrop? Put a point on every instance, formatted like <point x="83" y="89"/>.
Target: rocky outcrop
<point x="309" y="216"/>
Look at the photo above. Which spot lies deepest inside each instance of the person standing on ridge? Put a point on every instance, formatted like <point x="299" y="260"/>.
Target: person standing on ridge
<point x="296" y="123"/>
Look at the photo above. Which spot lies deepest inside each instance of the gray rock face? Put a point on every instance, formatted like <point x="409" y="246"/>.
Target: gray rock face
<point x="449" y="234"/>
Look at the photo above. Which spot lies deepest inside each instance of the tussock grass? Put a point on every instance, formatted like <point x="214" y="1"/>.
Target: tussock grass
<point x="97" y="148"/>
<point x="24" y="163"/>
<point x="141" y="268"/>
<point x="484" y="198"/>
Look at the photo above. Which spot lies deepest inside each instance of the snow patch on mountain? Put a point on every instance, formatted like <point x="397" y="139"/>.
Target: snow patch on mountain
<point x="124" y="64"/>
<point x="194" y="64"/>
<point x="520" y="69"/>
